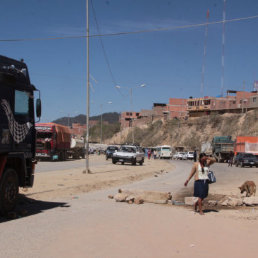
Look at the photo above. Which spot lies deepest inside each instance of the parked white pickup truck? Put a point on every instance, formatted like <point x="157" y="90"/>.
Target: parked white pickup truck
<point x="128" y="154"/>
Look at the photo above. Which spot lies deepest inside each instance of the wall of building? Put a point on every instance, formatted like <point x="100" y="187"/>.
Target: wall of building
<point x="253" y="101"/>
<point x="177" y="108"/>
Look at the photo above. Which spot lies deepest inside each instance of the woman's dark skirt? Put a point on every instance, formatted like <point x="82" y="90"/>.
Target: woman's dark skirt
<point x="201" y="188"/>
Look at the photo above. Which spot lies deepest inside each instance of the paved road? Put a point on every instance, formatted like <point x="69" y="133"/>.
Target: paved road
<point x="46" y="166"/>
<point x="94" y="226"/>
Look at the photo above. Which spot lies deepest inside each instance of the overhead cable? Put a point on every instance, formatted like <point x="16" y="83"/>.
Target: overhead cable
<point x="133" y="32"/>
<point x="103" y="49"/>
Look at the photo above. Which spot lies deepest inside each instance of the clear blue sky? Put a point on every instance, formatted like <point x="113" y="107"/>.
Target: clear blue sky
<point x="168" y="62"/>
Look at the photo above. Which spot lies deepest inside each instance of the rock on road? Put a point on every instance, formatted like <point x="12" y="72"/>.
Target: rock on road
<point x="95" y="226"/>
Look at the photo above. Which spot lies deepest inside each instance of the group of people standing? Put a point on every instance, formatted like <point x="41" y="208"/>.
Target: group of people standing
<point x="151" y="152"/>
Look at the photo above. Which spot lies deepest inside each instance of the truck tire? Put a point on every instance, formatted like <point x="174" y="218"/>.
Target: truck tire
<point x="113" y="161"/>
<point x="9" y="189"/>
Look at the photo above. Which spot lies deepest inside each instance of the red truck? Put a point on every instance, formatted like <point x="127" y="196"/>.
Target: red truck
<point x="246" y="144"/>
<point x="53" y="141"/>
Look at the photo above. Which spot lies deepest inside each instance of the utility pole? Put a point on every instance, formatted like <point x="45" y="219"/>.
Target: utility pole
<point x="88" y="92"/>
<point x="101" y="108"/>
<point x="131" y="97"/>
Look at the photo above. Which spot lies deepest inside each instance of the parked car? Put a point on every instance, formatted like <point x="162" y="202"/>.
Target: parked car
<point x="190" y="155"/>
<point x="175" y="156"/>
<point x="110" y="150"/>
<point x="182" y="155"/>
<point x="246" y="159"/>
<point x="128" y="154"/>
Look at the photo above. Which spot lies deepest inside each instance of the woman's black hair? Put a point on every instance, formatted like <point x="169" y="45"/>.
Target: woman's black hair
<point x="201" y="155"/>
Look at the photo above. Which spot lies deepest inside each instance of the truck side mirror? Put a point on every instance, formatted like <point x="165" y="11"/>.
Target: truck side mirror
<point x="38" y="107"/>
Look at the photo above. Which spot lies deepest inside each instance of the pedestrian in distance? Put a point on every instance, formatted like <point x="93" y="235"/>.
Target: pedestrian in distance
<point x="195" y="155"/>
<point x="154" y="154"/>
<point x="200" y="171"/>
<point x="149" y="153"/>
<point x="230" y="161"/>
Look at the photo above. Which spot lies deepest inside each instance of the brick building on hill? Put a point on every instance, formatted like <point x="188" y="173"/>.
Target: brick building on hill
<point x="234" y="102"/>
<point x="241" y="101"/>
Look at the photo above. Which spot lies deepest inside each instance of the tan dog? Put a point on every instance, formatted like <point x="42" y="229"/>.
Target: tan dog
<point x="249" y="187"/>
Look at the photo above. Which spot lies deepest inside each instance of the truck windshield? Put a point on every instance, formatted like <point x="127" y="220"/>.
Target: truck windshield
<point x="21" y="103"/>
<point x="43" y="135"/>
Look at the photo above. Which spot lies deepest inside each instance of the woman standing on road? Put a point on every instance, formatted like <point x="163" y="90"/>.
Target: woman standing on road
<point x="201" y="187"/>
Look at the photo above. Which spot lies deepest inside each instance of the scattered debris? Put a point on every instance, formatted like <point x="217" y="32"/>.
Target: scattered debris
<point x="177" y="203"/>
<point x="231" y="201"/>
<point x="250" y="201"/>
<point x="111" y="196"/>
<point x="141" y="196"/>
<point x="212" y="203"/>
<point x="138" y="201"/>
<point x="190" y="200"/>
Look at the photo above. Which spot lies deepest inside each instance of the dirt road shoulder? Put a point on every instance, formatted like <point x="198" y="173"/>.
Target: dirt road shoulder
<point x="70" y="182"/>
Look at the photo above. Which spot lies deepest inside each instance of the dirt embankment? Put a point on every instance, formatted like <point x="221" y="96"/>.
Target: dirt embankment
<point x="192" y="132"/>
<point x="70" y="182"/>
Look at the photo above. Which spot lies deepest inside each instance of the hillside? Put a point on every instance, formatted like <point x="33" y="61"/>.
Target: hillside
<point x="192" y="132"/>
<point x="112" y="117"/>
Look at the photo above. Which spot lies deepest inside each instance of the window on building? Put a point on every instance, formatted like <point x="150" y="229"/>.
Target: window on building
<point x="254" y="99"/>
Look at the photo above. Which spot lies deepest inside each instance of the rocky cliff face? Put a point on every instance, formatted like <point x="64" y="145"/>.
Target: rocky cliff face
<point x="192" y="132"/>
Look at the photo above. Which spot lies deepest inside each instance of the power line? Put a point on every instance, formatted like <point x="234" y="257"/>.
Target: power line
<point x="133" y="32"/>
<point x="103" y="49"/>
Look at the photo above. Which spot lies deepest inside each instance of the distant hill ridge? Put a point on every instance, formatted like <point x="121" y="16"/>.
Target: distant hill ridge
<point x="111" y="117"/>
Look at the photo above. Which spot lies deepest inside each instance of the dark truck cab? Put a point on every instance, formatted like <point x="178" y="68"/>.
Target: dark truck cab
<point x="17" y="131"/>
